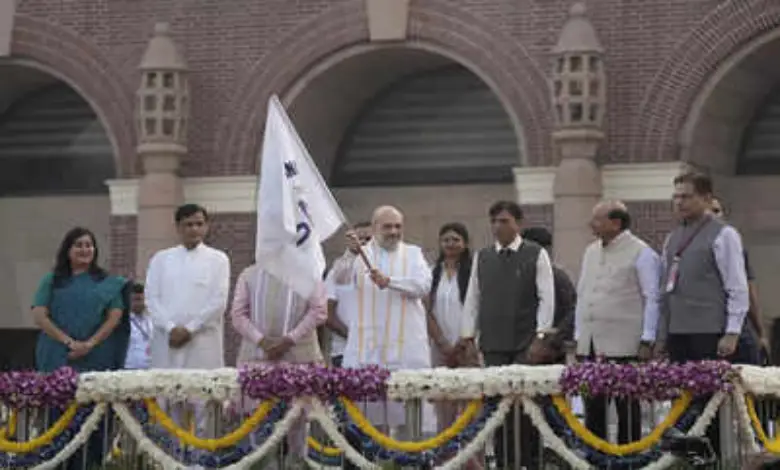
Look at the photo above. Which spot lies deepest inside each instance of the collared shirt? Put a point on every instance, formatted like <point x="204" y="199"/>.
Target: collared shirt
<point x="730" y="260"/>
<point x="648" y="271"/>
<point x="545" y="287"/>
<point x="141" y="330"/>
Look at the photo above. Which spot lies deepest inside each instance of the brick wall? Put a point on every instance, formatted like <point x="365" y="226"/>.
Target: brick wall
<point x="124" y="240"/>
<point x="658" y="56"/>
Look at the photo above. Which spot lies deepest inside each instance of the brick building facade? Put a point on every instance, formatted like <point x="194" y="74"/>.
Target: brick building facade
<point x="685" y="82"/>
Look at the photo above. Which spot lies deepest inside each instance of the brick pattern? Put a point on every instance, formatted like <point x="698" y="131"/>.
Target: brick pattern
<point x="658" y="55"/>
<point x="652" y="221"/>
<point x="123" y="240"/>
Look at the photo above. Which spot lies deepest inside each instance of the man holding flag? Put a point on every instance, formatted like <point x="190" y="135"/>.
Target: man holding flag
<point x="389" y="327"/>
<point x="280" y="300"/>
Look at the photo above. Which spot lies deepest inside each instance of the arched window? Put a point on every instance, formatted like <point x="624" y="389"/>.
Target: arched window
<point x="51" y="142"/>
<point x="438" y="127"/>
<point x="761" y="142"/>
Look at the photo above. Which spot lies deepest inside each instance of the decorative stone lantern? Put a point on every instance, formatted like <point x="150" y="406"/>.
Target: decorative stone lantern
<point x="163" y="97"/>
<point x="162" y="113"/>
<point x="578" y="84"/>
<point x="579" y="81"/>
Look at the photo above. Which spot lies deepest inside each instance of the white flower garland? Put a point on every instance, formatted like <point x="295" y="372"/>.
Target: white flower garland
<point x="474" y="383"/>
<point x="147" y="446"/>
<point x="743" y="418"/>
<point x="81" y="438"/>
<point x="219" y="385"/>
<point x="440" y="383"/>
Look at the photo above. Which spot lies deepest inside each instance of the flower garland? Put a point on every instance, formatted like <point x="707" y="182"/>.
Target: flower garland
<point x="79" y="428"/>
<point x="29" y="389"/>
<point x="149" y="447"/>
<point x="312" y="380"/>
<point x="535" y="413"/>
<point x="218" y="385"/>
<point x="199" y="458"/>
<point x="474" y="383"/>
<point x="190" y="439"/>
<point x="645" y="443"/>
<point x="384" y="440"/>
<point x="46" y="438"/>
<point x="658" y="381"/>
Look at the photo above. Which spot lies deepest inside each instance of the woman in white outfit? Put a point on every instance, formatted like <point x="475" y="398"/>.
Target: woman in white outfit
<point x="446" y="318"/>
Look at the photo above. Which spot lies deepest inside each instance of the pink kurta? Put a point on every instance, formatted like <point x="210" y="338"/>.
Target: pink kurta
<point x="263" y="306"/>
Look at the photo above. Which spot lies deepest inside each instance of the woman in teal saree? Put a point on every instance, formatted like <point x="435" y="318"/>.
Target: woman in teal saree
<point x="80" y="309"/>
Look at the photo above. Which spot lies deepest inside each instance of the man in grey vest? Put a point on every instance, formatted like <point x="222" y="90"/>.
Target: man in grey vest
<point x="704" y="289"/>
<point x="617" y="314"/>
<point x="511" y="296"/>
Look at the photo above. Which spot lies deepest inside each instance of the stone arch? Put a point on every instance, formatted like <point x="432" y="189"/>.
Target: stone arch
<point x="62" y="54"/>
<point x="669" y="99"/>
<point x="435" y="25"/>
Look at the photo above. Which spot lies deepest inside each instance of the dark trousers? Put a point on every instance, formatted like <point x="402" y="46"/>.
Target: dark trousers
<point x="628" y="410"/>
<point x="504" y="439"/>
<point x="697" y="347"/>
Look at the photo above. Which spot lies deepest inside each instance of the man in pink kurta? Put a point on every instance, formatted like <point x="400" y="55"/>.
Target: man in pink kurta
<point x="277" y="325"/>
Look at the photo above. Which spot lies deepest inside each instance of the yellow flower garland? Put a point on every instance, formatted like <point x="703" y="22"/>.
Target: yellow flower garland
<point x="10" y="428"/>
<point x="44" y="439"/>
<point x="772" y="445"/>
<point x="679" y="407"/>
<point x="324" y="450"/>
<point x="190" y="439"/>
<point x="413" y="447"/>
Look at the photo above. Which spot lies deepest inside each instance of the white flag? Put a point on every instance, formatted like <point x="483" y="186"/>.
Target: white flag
<point x="295" y="211"/>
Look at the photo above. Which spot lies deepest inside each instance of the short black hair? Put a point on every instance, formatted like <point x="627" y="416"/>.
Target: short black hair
<point x="510" y="206"/>
<point x="622" y="215"/>
<point x="538" y="235"/>
<point x="188" y="210"/>
<point x="702" y="184"/>
<point x="138" y="288"/>
<point x="362" y="224"/>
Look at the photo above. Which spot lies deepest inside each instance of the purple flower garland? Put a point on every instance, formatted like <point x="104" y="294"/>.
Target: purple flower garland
<point x="30" y="389"/>
<point x="296" y="380"/>
<point x="647" y="381"/>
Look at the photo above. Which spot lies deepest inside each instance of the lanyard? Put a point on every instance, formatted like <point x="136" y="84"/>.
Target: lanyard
<point x="688" y="241"/>
<point x="144" y="332"/>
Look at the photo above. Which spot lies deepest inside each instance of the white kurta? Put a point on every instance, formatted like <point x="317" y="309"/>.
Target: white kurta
<point x="389" y="327"/>
<point x="188" y="288"/>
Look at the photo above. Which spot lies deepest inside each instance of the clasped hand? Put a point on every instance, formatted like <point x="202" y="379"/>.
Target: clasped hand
<point x="79" y="349"/>
<point x="275" y="348"/>
<point x="178" y="337"/>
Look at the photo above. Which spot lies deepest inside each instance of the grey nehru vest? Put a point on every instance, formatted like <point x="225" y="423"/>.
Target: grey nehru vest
<point x="698" y="302"/>
<point x="508" y="298"/>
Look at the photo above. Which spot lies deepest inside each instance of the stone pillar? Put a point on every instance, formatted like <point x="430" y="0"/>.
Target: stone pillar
<point x="162" y="109"/>
<point x="579" y="101"/>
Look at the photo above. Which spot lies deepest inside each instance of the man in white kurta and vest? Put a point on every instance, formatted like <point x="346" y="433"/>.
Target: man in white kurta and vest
<point x="617" y="312"/>
<point x="511" y="296"/>
<point x="278" y="326"/>
<point x="389" y="326"/>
